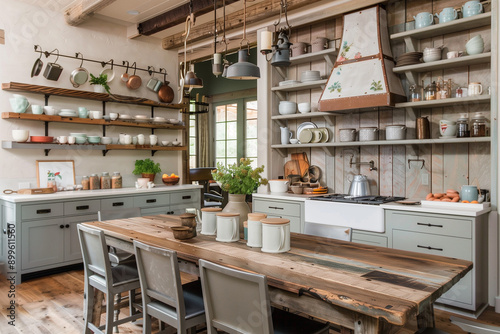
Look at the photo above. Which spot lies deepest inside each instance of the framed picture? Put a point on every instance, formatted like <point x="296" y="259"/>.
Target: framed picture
<point x="58" y="172"/>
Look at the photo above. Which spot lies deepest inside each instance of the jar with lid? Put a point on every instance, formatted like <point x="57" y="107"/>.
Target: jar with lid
<point x="463" y="127"/>
<point x="415" y="94"/>
<point x="105" y="180"/>
<point x="116" y="180"/>
<point x="85" y="182"/>
<point x="478" y="128"/>
<point x="95" y="182"/>
<point x="430" y="91"/>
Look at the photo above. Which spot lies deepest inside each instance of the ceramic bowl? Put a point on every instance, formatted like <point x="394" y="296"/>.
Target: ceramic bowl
<point x="94" y="139"/>
<point x="287" y="107"/>
<point x="294" y="141"/>
<point x="106" y="140"/>
<point x="176" y="143"/>
<point x="20" y="136"/>
<point x="19" y="105"/>
<point x="474" y="50"/>
<point x="173" y="120"/>
<point x="297" y="189"/>
<point x="78" y="134"/>
<point x="304" y="107"/>
<point x="171" y="180"/>
<point x="80" y="140"/>
<point x="165" y="142"/>
<point x="431" y="58"/>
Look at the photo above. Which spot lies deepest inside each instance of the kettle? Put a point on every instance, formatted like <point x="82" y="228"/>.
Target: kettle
<point x="359" y="186"/>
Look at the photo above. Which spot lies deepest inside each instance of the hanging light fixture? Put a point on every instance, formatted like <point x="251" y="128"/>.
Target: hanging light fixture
<point x="243" y="69"/>
<point x="189" y="80"/>
<point x="217" y="61"/>
<point x="281" y="50"/>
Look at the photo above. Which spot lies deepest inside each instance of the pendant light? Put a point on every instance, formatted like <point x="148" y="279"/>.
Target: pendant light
<point x="217" y="61"/>
<point x="243" y="69"/>
<point x="189" y="80"/>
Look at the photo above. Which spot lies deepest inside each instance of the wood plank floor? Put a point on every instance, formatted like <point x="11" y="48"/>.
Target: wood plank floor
<point x="53" y="305"/>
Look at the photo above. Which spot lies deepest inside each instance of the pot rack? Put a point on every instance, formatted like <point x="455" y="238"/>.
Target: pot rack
<point x="79" y="56"/>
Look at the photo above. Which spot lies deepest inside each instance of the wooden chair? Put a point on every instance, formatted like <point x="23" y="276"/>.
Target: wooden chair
<point x="100" y="275"/>
<point x="238" y="302"/>
<point x="163" y="295"/>
<point x="203" y="175"/>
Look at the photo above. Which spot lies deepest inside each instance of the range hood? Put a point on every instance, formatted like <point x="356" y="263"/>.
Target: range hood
<point x="362" y="75"/>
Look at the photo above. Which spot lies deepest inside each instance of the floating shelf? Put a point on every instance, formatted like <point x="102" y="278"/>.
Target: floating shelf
<point x="483" y="58"/>
<point x="327" y="54"/>
<point x="281" y="119"/>
<point x="454" y="101"/>
<point x="80" y="94"/>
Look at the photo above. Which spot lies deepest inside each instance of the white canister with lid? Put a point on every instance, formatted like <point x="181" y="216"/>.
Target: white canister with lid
<point x="395" y="132"/>
<point x="255" y="229"/>
<point x="275" y="235"/>
<point x="347" y="134"/>
<point x="209" y="220"/>
<point x="368" y="133"/>
<point x="228" y="227"/>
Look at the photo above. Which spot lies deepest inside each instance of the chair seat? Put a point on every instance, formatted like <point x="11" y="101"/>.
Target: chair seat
<point x="122" y="274"/>
<point x="289" y="323"/>
<point x="193" y="300"/>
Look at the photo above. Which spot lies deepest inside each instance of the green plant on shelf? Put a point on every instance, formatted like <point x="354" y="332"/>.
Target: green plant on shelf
<point x="146" y="166"/>
<point x="102" y="80"/>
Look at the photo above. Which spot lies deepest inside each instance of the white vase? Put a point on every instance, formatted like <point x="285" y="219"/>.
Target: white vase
<point x="236" y="204"/>
<point x="99" y="89"/>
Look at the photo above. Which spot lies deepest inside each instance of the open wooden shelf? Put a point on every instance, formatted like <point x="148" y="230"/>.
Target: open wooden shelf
<point x="483" y="58"/>
<point x="454" y="101"/>
<point x="80" y="94"/>
<point x="78" y="120"/>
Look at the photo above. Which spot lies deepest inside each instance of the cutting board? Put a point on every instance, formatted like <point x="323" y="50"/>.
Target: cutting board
<point x="303" y="162"/>
<point x="32" y="191"/>
<point x="292" y="167"/>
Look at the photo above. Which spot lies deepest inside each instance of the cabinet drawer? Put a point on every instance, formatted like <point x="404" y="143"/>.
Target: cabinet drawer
<point x="185" y="197"/>
<point x="295" y="222"/>
<point x="432" y="244"/>
<point x="442" y="225"/>
<point x="82" y="207"/>
<point x="37" y="211"/>
<point x="151" y="200"/>
<point x="277" y="208"/>
<point x="369" y="239"/>
<point x="117" y="203"/>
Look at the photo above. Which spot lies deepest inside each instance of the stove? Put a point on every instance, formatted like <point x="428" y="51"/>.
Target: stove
<point x="374" y="200"/>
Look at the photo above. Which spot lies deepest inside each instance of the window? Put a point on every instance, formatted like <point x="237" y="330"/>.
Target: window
<point x="236" y="131"/>
<point x="193" y="143"/>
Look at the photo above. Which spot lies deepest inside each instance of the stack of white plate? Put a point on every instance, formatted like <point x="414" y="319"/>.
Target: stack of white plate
<point x="288" y="82"/>
<point x="142" y="118"/>
<point x="68" y="113"/>
<point x="310" y="76"/>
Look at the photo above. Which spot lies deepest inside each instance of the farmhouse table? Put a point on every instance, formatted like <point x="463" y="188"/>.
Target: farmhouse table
<point x="365" y="289"/>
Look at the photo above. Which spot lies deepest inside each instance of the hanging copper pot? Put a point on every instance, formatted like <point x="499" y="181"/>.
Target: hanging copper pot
<point x="166" y="93"/>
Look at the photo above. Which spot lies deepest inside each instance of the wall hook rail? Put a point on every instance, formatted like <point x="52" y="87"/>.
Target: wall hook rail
<point x="371" y="163"/>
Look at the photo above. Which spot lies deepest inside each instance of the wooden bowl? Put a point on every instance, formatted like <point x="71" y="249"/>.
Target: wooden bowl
<point x="296" y="189"/>
<point x="182" y="232"/>
<point x="170" y="181"/>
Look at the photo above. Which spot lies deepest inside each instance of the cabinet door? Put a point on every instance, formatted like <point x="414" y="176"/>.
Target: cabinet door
<point x="72" y="249"/>
<point x="369" y="239"/>
<point x="42" y="242"/>
<point x="295" y="222"/>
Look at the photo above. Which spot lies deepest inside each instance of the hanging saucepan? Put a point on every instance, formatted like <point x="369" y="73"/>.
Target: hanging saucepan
<point x="53" y="70"/>
<point x="166" y="93"/>
<point x="125" y="75"/>
<point x="153" y="83"/>
<point x="80" y="75"/>
<point x="134" y="81"/>
<point x="37" y="66"/>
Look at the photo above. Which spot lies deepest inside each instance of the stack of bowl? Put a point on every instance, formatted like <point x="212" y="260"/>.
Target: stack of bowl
<point x="287" y="107"/>
<point x="80" y="138"/>
<point x="94" y="139"/>
<point x="19" y="103"/>
<point x="310" y="76"/>
<point x="475" y="45"/>
<point x="431" y="54"/>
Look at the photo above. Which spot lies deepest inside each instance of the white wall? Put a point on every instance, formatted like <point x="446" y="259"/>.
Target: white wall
<point x="26" y="25"/>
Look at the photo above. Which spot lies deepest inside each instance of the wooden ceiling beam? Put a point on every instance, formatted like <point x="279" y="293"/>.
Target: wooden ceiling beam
<point x="255" y="13"/>
<point x="178" y="16"/>
<point x="81" y="10"/>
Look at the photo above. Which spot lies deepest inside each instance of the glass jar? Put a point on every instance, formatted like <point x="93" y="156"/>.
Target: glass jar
<point x="95" y="182"/>
<point x="463" y="127"/>
<point x="85" y="182"/>
<point x="105" y="180"/>
<point x="116" y="180"/>
<point x="430" y="91"/>
<point x="478" y="128"/>
<point x="415" y="94"/>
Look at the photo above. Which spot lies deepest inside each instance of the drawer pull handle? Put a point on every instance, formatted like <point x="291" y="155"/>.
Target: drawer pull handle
<point x="118" y="204"/>
<point x="186" y="197"/>
<point x="151" y="200"/>
<point x="430" y="225"/>
<point x="38" y="212"/>
<point x="61" y="226"/>
<point x="67" y="226"/>
<point x="276" y="208"/>
<point x="430" y="248"/>
<point x="83" y="207"/>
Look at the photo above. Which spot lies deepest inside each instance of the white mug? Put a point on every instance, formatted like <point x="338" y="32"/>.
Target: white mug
<point x="475" y="88"/>
<point x="228" y="227"/>
<point x="255" y="229"/>
<point x="275" y="235"/>
<point x="153" y="139"/>
<point x="127" y="140"/>
<point x="71" y="139"/>
<point x="209" y="220"/>
<point x="62" y="139"/>
<point x="97" y="114"/>
<point x="140" y="139"/>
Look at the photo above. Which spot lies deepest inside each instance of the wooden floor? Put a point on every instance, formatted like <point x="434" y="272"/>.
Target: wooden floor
<point x="53" y="305"/>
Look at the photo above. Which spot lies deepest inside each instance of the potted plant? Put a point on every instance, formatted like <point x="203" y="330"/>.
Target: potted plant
<point x="239" y="181"/>
<point x="147" y="168"/>
<point x="100" y="83"/>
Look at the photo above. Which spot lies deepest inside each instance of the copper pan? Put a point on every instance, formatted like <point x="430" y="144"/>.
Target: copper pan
<point x="134" y="81"/>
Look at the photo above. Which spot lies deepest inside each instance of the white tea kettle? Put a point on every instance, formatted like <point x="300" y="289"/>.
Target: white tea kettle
<point x="359" y="186"/>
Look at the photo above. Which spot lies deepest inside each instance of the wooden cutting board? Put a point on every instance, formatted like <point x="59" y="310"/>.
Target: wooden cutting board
<point x="292" y="167"/>
<point x="301" y="158"/>
<point x="32" y="191"/>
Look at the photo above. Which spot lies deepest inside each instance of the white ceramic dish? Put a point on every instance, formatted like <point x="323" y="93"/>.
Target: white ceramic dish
<point x="288" y="82"/>
<point x="287" y="107"/>
<point x="305" y="125"/>
<point x="304" y="107"/>
<point x="123" y="116"/>
<point x="278" y="186"/>
<point x="20" y="136"/>
<point x="110" y="73"/>
<point x="106" y="140"/>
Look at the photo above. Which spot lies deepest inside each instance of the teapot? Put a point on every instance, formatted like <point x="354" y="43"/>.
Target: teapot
<point x="359" y="186"/>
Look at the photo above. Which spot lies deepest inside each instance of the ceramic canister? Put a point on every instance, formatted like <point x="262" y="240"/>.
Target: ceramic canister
<point x="228" y="227"/>
<point x="468" y="193"/>
<point x="209" y="220"/>
<point x="275" y="235"/>
<point x="255" y="229"/>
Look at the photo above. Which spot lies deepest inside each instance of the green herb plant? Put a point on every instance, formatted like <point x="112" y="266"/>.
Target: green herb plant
<point x="102" y="80"/>
<point x="239" y="179"/>
<point x="147" y="166"/>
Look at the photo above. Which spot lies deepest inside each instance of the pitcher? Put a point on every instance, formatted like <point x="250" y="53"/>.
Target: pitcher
<point x="286" y="135"/>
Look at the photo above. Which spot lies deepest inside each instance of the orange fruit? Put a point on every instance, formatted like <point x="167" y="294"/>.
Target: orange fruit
<point x="475" y="202"/>
<point x="465" y="201"/>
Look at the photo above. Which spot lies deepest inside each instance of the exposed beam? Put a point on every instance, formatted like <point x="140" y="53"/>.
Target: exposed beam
<point x="178" y="16"/>
<point x="80" y="10"/>
<point x="255" y="13"/>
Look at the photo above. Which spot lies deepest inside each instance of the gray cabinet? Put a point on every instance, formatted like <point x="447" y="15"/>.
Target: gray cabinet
<point x="446" y="235"/>
<point x="369" y="238"/>
<point x="42" y="243"/>
<point x="292" y="210"/>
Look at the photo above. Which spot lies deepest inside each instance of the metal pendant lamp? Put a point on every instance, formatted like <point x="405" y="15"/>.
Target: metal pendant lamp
<point x="191" y="80"/>
<point x="243" y="69"/>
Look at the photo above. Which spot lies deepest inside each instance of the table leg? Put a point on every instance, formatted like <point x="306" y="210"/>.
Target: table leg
<point x="369" y="325"/>
<point x="425" y="318"/>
